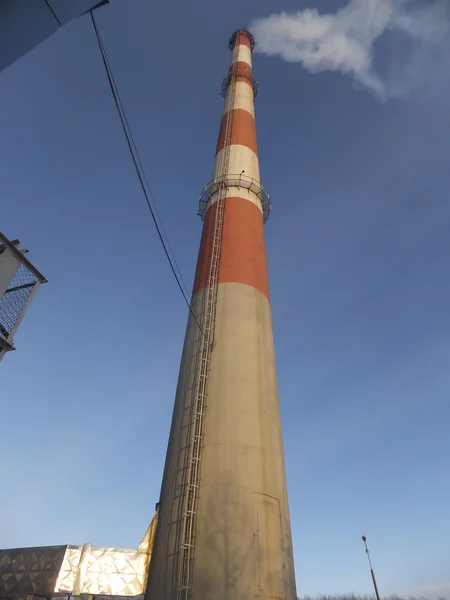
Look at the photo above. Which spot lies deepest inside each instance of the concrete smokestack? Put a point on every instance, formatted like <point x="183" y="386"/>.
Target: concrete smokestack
<point x="224" y="530"/>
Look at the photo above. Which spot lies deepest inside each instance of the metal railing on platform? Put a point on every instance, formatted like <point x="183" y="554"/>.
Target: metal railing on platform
<point x="237" y="181"/>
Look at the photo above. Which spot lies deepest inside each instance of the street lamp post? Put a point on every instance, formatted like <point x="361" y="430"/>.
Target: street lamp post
<point x="364" y="539"/>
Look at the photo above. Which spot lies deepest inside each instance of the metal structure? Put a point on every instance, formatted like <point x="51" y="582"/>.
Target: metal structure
<point x="19" y="282"/>
<point x="62" y="571"/>
<point x="364" y="539"/>
<point x="194" y="452"/>
<point x="234" y="181"/>
<point x="72" y="570"/>
<point x="224" y="528"/>
<point x="26" y="23"/>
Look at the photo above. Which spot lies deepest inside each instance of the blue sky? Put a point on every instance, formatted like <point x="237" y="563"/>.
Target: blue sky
<point x="358" y="251"/>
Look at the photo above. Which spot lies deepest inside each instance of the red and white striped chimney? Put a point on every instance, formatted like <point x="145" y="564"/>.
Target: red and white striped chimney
<point x="224" y="530"/>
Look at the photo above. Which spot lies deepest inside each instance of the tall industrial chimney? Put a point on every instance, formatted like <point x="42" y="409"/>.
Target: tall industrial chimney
<point x="224" y="531"/>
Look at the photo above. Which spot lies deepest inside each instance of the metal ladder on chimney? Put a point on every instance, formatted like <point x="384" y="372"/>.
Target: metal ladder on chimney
<point x="192" y="481"/>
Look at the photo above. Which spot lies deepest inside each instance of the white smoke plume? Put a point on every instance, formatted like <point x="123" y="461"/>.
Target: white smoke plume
<point x="344" y="40"/>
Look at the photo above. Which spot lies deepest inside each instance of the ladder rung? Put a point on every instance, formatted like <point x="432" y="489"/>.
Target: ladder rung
<point x="190" y="489"/>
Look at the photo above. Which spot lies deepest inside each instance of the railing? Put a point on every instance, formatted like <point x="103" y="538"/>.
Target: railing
<point x="237" y="181"/>
<point x="251" y="79"/>
<point x="19" y="281"/>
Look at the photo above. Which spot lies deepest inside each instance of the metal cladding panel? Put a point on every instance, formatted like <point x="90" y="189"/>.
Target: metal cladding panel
<point x="102" y="571"/>
<point x="60" y="569"/>
<point x="26" y="23"/>
<point x="69" y="570"/>
<point x="30" y="570"/>
<point x="115" y="572"/>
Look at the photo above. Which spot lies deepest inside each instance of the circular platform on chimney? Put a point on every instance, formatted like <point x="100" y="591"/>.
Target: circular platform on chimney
<point x="237" y="181"/>
<point x="247" y="34"/>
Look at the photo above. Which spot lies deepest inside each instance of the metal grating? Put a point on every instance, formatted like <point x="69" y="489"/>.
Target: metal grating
<point x="15" y="298"/>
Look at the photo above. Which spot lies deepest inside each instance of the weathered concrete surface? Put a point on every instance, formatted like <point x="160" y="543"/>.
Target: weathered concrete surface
<point x="243" y="547"/>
